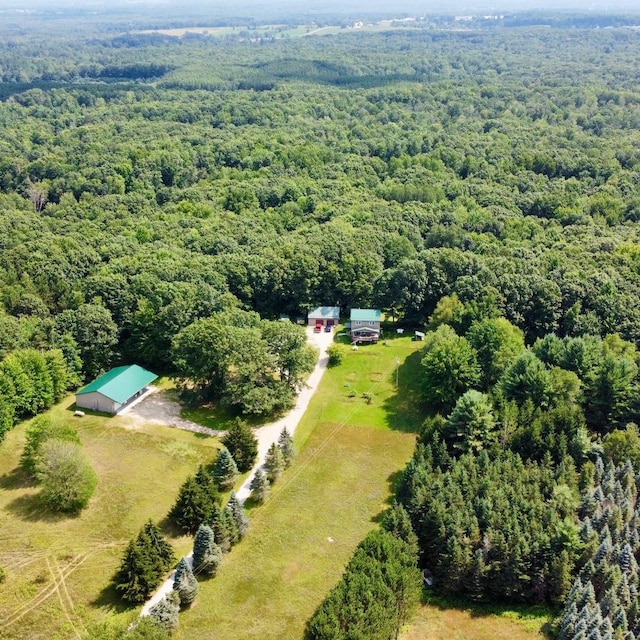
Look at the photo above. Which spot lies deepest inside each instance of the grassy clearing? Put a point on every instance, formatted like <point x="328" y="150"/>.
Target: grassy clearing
<point x="300" y="540"/>
<point x="351" y="453"/>
<point x="440" y="619"/>
<point x="58" y="567"/>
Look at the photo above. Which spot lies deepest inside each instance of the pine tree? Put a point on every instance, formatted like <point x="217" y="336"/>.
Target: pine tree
<point x="166" y="611"/>
<point x="274" y="463"/>
<point x="207" y="483"/>
<point x="237" y="511"/>
<point x="396" y="521"/>
<point x="225" y="471"/>
<point x="230" y="525"/>
<point x="185" y="583"/>
<point x="285" y="444"/>
<point x="259" y="487"/>
<point x="144" y="563"/>
<point x="194" y="503"/>
<point x="207" y="555"/>
<point x="220" y="526"/>
<point x="242" y="445"/>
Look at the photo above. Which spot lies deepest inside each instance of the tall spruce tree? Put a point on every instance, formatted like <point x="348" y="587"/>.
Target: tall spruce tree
<point x="225" y="470"/>
<point x="285" y="444"/>
<point x="242" y="445"/>
<point x="145" y="561"/>
<point x="237" y="511"/>
<point x="219" y="523"/>
<point x="274" y="463"/>
<point x="185" y="583"/>
<point x="165" y="613"/>
<point x="207" y="555"/>
<point x="195" y="502"/>
<point x="259" y="487"/>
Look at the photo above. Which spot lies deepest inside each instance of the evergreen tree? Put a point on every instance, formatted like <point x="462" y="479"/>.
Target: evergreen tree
<point x="145" y="561"/>
<point x="274" y="463"/>
<point x="207" y="555"/>
<point x="242" y="445"/>
<point x="397" y="522"/>
<point x="225" y="471"/>
<point x="471" y="424"/>
<point x="259" y="487"/>
<point x="165" y="613"/>
<point x="185" y="583"/>
<point x="285" y="444"/>
<point x="237" y="511"/>
<point x="219" y="523"/>
<point x="196" y="500"/>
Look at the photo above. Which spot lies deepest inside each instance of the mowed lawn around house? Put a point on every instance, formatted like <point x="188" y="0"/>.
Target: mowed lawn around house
<point x="58" y="567"/>
<point x="351" y="455"/>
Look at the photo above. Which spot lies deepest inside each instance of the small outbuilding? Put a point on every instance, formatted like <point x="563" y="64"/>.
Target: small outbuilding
<point x="114" y="390"/>
<point x="324" y="316"/>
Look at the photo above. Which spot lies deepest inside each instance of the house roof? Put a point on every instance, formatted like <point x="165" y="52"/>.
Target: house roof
<point x="365" y="315"/>
<point x="325" y="313"/>
<point x="120" y="383"/>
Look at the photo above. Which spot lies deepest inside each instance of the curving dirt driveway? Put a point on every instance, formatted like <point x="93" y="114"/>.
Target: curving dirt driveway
<point x="267" y="435"/>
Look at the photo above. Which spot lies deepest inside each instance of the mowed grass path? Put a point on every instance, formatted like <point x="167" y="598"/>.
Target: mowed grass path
<point x="58" y="566"/>
<point x="320" y="509"/>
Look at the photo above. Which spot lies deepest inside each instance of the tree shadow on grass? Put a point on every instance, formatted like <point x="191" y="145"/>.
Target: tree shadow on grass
<point x="393" y="482"/>
<point x="110" y="599"/>
<point x="16" y="479"/>
<point x="170" y="528"/>
<point x="31" y="509"/>
<point x="404" y="408"/>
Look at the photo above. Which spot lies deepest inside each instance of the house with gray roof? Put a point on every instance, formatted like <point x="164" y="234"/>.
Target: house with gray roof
<point x="365" y="325"/>
<point x="114" y="390"/>
<point x="324" y="316"/>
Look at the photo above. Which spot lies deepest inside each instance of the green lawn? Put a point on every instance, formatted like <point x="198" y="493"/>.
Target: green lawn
<point x="57" y="567"/>
<point x="441" y="619"/>
<point x="351" y="454"/>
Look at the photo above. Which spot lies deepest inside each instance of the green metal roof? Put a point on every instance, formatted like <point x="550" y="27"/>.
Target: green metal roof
<point x="120" y="383"/>
<point x="365" y="315"/>
<point x="331" y="313"/>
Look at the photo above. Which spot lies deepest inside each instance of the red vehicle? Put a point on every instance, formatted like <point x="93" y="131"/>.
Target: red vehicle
<point x="317" y="328"/>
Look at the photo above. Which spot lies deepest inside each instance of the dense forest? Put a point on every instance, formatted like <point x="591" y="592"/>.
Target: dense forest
<point x="164" y="200"/>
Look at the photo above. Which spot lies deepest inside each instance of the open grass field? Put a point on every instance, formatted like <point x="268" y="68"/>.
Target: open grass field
<point x="438" y="619"/>
<point x="58" y="567"/>
<point x="351" y="454"/>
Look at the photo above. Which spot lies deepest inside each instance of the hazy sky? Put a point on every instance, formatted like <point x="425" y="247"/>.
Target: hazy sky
<point x="387" y="6"/>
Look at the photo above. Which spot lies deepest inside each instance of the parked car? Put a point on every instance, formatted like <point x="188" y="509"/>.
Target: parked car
<point x="328" y="328"/>
<point x="317" y="328"/>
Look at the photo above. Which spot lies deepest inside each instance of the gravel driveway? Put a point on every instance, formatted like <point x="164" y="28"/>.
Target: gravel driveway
<point x="159" y="408"/>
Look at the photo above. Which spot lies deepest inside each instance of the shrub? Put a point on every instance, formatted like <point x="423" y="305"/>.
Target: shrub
<point x="67" y="478"/>
<point x="336" y="355"/>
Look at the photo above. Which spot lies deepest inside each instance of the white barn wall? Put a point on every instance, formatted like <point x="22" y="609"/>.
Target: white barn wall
<point x="96" y="402"/>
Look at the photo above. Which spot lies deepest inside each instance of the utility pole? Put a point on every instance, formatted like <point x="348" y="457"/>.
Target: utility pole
<point x="397" y="370"/>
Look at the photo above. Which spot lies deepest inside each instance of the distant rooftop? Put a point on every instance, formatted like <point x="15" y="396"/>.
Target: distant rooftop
<point x="120" y="383"/>
<point x="365" y="315"/>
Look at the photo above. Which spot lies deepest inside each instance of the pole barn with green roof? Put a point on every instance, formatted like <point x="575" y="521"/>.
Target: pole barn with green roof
<point x="114" y="390"/>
